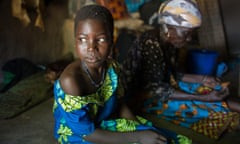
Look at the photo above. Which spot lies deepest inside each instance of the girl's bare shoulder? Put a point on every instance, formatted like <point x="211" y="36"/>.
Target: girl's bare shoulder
<point x="72" y="78"/>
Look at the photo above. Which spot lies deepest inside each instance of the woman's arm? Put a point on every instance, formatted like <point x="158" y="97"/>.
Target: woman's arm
<point x="193" y="78"/>
<point x="211" y="97"/>
<point x="209" y="81"/>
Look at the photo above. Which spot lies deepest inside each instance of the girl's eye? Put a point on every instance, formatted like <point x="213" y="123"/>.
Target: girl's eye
<point x="82" y="39"/>
<point x="101" y="40"/>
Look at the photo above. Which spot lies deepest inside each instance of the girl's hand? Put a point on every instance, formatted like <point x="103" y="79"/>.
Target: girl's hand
<point x="150" y="137"/>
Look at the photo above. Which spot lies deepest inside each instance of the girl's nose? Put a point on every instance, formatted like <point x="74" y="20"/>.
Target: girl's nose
<point x="92" y="45"/>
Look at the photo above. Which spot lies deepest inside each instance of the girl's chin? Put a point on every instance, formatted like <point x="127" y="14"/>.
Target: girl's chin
<point x="92" y="61"/>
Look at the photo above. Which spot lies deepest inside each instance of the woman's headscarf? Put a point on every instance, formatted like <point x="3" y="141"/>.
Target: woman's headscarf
<point x="183" y="13"/>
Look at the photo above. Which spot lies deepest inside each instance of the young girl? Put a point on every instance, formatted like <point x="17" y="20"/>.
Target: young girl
<point x="88" y="93"/>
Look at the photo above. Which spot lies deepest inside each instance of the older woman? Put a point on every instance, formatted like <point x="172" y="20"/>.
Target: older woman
<point x="151" y="66"/>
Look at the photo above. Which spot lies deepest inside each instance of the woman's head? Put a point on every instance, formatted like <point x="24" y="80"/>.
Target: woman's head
<point x="93" y="34"/>
<point x="178" y="18"/>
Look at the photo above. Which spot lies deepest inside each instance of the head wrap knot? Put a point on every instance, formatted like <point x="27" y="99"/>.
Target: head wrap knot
<point x="183" y="13"/>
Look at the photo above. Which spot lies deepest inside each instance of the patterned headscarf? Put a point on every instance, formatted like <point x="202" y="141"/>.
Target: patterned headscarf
<point x="183" y="13"/>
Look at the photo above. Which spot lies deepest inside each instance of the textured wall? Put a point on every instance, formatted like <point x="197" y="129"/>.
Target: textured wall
<point x="17" y="40"/>
<point x="211" y="33"/>
<point x="231" y="20"/>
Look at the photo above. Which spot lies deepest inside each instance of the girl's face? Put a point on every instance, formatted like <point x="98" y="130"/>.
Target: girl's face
<point x="177" y="36"/>
<point x="93" y="42"/>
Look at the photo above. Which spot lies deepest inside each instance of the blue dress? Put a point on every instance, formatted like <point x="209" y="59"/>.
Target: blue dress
<point x="78" y="116"/>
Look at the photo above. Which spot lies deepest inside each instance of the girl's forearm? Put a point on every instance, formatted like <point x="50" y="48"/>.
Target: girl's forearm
<point x="100" y="136"/>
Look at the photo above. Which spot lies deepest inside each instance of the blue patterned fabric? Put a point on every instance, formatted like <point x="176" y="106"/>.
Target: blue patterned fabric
<point x="78" y="116"/>
<point x="184" y="113"/>
<point x="75" y="116"/>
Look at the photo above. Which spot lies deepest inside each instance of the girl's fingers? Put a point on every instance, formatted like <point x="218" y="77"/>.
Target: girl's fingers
<point x="162" y="139"/>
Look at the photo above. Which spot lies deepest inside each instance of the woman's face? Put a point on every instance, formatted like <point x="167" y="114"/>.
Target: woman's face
<point x="178" y="36"/>
<point x="93" y="42"/>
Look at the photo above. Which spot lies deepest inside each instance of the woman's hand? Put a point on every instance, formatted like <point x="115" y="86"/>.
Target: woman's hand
<point x="217" y="95"/>
<point x="150" y="137"/>
<point x="211" y="82"/>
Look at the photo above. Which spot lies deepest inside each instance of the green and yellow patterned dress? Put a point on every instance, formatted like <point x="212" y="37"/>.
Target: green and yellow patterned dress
<point x="78" y="116"/>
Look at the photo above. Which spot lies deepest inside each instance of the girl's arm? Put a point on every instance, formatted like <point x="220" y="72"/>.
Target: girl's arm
<point x="125" y="112"/>
<point x="100" y="136"/>
<point x="108" y="137"/>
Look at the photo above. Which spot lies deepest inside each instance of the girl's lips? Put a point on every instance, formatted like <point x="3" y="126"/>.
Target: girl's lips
<point x="92" y="59"/>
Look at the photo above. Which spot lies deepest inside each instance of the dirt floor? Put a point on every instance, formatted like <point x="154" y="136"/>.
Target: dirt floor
<point x="34" y="126"/>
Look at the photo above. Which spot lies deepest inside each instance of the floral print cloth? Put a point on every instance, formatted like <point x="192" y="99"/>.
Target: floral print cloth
<point x="78" y="116"/>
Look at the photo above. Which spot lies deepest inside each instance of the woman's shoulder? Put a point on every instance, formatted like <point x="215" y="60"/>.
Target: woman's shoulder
<point x="151" y="34"/>
<point x="148" y="38"/>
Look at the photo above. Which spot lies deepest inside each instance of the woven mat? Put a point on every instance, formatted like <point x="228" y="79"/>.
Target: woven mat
<point x="24" y="95"/>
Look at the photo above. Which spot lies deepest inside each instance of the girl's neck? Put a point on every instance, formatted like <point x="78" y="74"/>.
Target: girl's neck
<point x="96" y="76"/>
